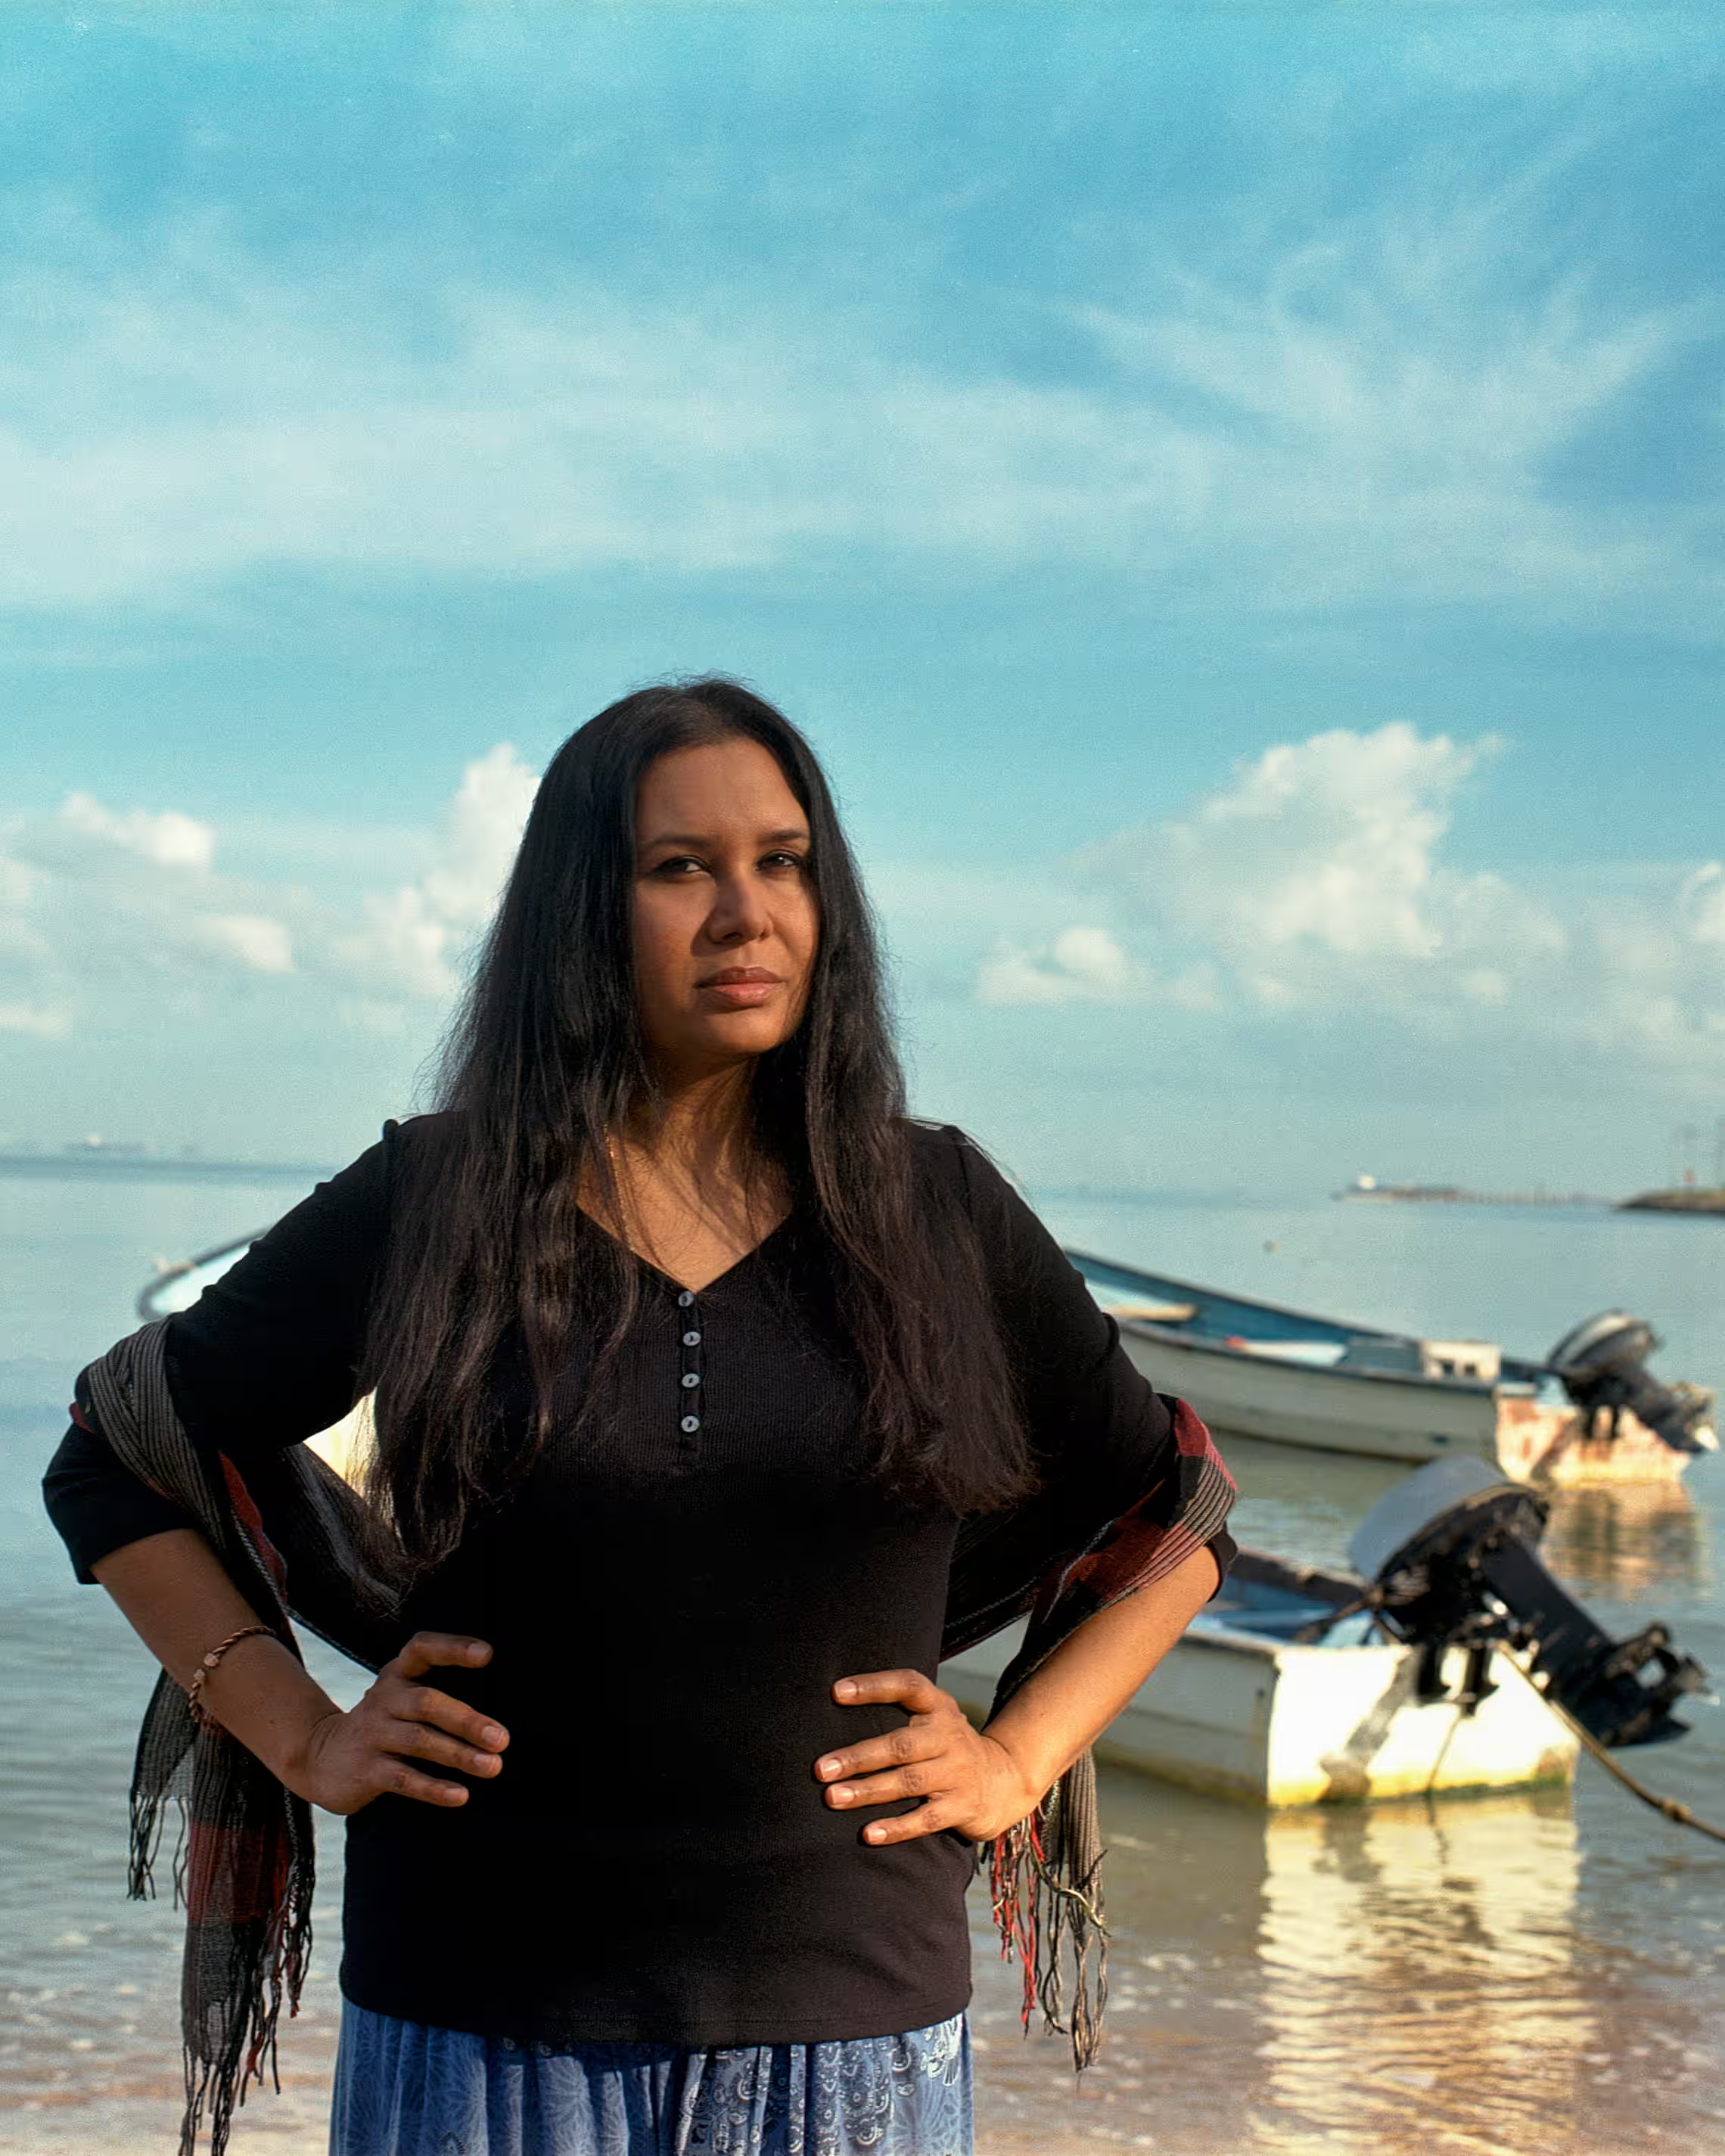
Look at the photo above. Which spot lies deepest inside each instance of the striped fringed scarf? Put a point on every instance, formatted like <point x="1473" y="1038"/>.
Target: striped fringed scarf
<point x="245" y="1866"/>
<point x="1046" y="1873"/>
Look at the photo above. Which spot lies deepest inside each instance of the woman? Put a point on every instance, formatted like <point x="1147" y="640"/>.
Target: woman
<point x="692" y="1357"/>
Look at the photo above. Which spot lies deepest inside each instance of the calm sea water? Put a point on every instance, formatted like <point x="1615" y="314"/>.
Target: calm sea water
<point x="1539" y="1975"/>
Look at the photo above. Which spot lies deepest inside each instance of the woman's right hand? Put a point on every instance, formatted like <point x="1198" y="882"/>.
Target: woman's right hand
<point x="348" y="1759"/>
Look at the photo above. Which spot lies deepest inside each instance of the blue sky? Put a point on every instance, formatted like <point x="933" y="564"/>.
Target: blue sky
<point x="1235" y="493"/>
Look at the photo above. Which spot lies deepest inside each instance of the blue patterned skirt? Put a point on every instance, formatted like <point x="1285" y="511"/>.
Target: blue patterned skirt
<point x="402" y="2089"/>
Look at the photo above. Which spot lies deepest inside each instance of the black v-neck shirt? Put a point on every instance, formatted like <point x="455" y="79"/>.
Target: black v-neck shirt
<point x="670" y="1599"/>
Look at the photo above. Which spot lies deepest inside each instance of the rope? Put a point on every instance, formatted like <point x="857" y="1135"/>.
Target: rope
<point x="1382" y="1594"/>
<point x="1669" y="1807"/>
<point x="1400" y="1589"/>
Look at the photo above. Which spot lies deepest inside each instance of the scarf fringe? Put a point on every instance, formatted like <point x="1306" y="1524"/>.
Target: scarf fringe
<point x="146" y="1814"/>
<point x="1044" y="1877"/>
<point x="230" y="2031"/>
<point x="240" y="2049"/>
<point x="232" y="1993"/>
<point x="163" y="1769"/>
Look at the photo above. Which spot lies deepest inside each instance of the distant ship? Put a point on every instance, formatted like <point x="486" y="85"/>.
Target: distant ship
<point x="1368" y="1186"/>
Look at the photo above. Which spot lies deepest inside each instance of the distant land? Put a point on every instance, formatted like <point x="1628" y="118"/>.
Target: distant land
<point x="1367" y="1186"/>
<point x="1683" y="1198"/>
<point x="1686" y="1198"/>
<point x="106" y="1164"/>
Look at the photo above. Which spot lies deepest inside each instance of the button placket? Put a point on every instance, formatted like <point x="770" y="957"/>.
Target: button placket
<point x="691" y="1330"/>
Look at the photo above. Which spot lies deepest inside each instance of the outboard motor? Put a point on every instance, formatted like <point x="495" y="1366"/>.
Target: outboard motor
<point x="1450" y="1555"/>
<point x="1602" y="1364"/>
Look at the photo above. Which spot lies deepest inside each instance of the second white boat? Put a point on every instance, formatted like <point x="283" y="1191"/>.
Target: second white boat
<point x="1256" y="1369"/>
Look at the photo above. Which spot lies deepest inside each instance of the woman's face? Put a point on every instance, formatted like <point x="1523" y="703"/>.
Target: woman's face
<point x="725" y="920"/>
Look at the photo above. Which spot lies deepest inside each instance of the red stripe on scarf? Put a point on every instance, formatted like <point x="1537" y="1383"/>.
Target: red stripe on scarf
<point x="1140" y="1541"/>
<point x="1191" y="1437"/>
<point x="234" y="1874"/>
<point x="251" y="1520"/>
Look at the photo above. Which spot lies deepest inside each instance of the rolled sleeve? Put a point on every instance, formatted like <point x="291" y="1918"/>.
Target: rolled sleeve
<point x="97" y="1505"/>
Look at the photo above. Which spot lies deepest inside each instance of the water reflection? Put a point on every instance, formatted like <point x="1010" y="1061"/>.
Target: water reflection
<point x="1422" y="1950"/>
<point x="1626" y="1540"/>
<point x="1362" y="1980"/>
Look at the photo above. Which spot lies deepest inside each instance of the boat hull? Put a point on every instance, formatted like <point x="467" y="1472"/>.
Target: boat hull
<point x="1384" y="1414"/>
<point x="1381" y="1415"/>
<point x="1237" y="1715"/>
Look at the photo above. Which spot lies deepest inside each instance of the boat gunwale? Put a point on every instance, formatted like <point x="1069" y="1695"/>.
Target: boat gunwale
<point x="1083" y="1258"/>
<point x="235" y="1245"/>
<point x="1517" y="1375"/>
<point x="1308" y="1583"/>
<point x="1195" y="1344"/>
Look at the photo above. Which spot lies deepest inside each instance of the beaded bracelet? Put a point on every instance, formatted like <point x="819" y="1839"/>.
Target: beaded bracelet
<point x="200" y="1713"/>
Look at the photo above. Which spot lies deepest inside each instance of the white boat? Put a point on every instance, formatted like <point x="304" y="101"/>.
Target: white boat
<point x="1256" y="1369"/>
<point x="1449" y="1659"/>
<point x="1237" y="1707"/>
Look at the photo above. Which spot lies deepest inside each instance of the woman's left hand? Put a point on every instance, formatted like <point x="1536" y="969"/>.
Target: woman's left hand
<point x="965" y="1780"/>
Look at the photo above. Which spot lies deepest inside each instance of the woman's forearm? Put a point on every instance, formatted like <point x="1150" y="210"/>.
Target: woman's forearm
<point x="180" y="1600"/>
<point x="1091" y="1674"/>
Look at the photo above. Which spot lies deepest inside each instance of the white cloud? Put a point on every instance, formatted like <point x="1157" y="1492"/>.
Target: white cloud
<point x="1328" y="843"/>
<point x="1310" y="888"/>
<point x="1379" y="411"/>
<point x="930" y="908"/>
<point x="481" y="832"/>
<point x="166" y="837"/>
<point x="261" y="945"/>
<point x="1282" y="427"/>
<point x="94" y="897"/>
<point x="1701" y="903"/>
<point x="103" y="903"/>
<point x="388" y="1021"/>
<point x="410" y="940"/>
<point x="1081" y="965"/>
<point x="400" y="944"/>
<point x="45" y="1021"/>
<point x="1318" y="866"/>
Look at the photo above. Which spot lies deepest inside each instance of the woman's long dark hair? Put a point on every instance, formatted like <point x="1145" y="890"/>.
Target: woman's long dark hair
<point x="546" y="1058"/>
